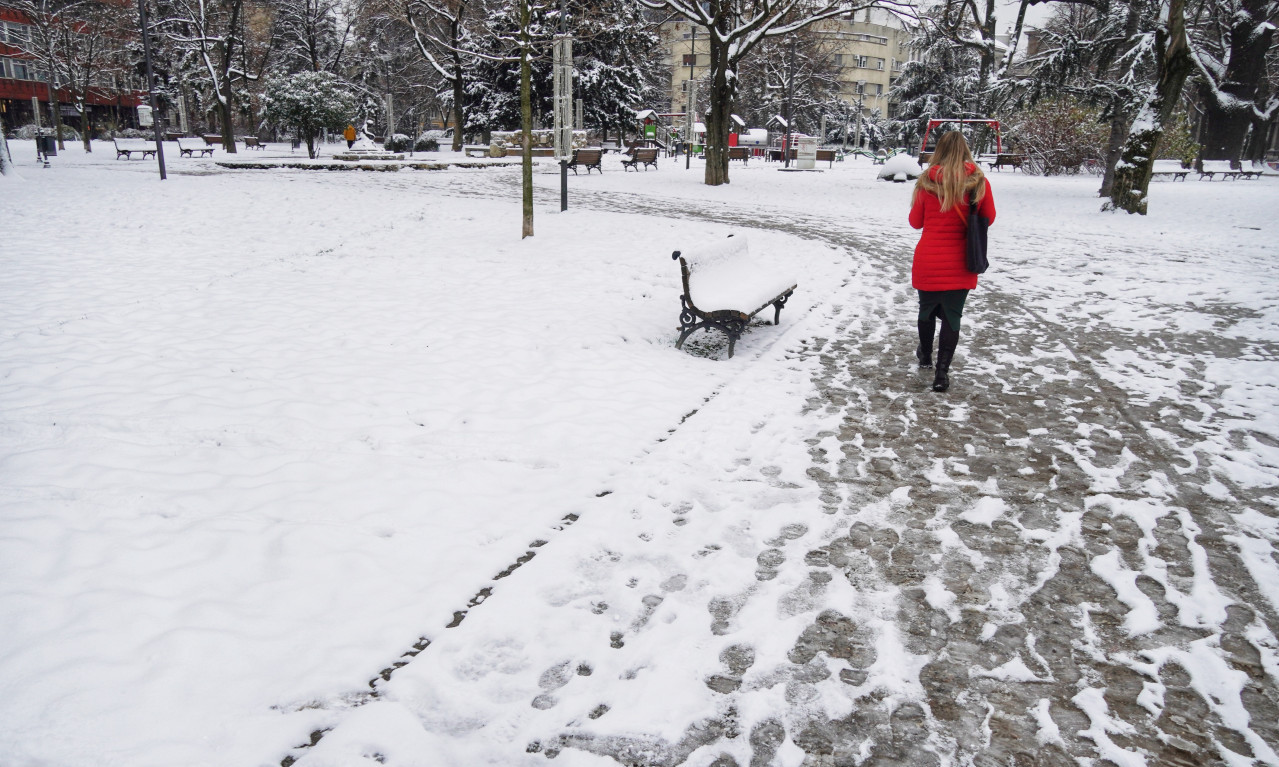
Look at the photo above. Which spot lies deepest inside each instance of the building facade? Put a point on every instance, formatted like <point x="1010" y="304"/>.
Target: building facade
<point x="23" y="79"/>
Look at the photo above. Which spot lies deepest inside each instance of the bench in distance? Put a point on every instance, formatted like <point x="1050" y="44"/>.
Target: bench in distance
<point x="188" y="149"/>
<point x="586" y="158"/>
<point x="641" y="155"/>
<point x="127" y="147"/>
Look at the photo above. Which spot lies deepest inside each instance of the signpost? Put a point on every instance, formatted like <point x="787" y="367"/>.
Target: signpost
<point x="562" y="63"/>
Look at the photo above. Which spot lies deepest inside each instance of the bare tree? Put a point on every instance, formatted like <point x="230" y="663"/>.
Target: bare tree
<point x="1232" y="39"/>
<point x="1132" y="174"/>
<point x="735" y="27"/>
<point x="212" y="33"/>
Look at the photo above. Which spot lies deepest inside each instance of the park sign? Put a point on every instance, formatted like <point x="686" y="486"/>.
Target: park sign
<point x="562" y="72"/>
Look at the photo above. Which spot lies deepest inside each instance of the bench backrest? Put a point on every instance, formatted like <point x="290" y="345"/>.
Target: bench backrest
<point x="721" y="275"/>
<point x="825" y="154"/>
<point x="586" y="156"/>
<point x="737" y="152"/>
<point x="646" y="154"/>
<point x="133" y="143"/>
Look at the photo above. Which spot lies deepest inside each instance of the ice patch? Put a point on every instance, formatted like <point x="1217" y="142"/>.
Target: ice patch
<point x="985" y="511"/>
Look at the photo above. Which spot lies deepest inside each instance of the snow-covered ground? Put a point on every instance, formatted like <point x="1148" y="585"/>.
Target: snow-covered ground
<point x="291" y="456"/>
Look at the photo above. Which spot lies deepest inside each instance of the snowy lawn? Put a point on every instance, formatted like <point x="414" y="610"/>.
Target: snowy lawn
<point x="266" y="431"/>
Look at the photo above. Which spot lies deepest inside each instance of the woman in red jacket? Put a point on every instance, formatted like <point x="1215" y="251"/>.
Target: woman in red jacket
<point x="940" y="272"/>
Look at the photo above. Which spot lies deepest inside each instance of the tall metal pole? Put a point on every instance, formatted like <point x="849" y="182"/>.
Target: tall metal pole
<point x="692" y="101"/>
<point x="790" y="86"/>
<point x="155" y="113"/>
<point x="559" y="114"/>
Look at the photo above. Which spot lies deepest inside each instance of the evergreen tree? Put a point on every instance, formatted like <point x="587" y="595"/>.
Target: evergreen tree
<point x="309" y="102"/>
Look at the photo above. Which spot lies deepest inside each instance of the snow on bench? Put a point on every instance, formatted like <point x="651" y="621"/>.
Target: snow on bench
<point x="724" y="287"/>
<point x="1214" y="168"/>
<point x="187" y="149"/>
<point x="125" y="147"/>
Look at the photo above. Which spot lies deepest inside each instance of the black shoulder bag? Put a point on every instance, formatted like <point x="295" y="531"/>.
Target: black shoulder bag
<point x="977" y="225"/>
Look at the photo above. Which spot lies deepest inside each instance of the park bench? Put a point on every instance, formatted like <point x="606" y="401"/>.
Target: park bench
<point x="739" y="153"/>
<point x="829" y="156"/>
<point x="127" y="147"/>
<point x="731" y="287"/>
<point x="186" y="149"/>
<point x="1214" y="169"/>
<point x="1249" y="175"/>
<point x="251" y="142"/>
<point x="1215" y="174"/>
<point x="587" y="158"/>
<point x="212" y="140"/>
<point x="1013" y="161"/>
<point x="645" y="155"/>
<point x="476" y="150"/>
<point x="1177" y="175"/>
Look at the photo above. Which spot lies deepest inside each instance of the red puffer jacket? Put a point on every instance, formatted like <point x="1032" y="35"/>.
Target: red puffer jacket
<point x="939" y="256"/>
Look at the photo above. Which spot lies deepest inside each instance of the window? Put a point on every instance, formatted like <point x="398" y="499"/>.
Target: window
<point x="18" y="33"/>
<point x="879" y="63"/>
<point x="839" y="59"/>
<point x="690" y="59"/>
<point x="4" y="67"/>
<point x="19" y="69"/>
<point x="879" y="89"/>
<point x="860" y="61"/>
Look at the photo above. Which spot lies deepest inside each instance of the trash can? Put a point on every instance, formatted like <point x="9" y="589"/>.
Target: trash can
<point x="48" y="145"/>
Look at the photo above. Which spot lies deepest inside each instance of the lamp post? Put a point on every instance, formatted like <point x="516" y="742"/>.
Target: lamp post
<point x="146" y="49"/>
<point x="692" y="100"/>
<point x="790" y="89"/>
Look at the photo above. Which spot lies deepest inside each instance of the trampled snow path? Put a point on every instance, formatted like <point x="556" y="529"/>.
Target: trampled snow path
<point x="1067" y="559"/>
<point x="1053" y="568"/>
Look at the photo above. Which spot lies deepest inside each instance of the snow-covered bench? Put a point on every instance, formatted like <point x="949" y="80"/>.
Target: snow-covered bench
<point x="724" y="287"/>
<point x="188" y="149"/>
<point x="1212" y="169"/>
<point x="127" y="147"/>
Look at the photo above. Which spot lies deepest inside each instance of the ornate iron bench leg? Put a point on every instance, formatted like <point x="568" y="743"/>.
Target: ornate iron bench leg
<point x="777" y="306"/>
<point x="733" y="329"/>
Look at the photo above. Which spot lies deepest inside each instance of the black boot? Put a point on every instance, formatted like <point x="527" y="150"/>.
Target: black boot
<point x="924" y="352"/>
<point x="945" y="352"/>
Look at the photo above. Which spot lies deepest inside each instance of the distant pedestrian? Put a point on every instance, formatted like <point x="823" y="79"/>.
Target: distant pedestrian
<point x="940" y="272"/>
<point x="349" y="135"/>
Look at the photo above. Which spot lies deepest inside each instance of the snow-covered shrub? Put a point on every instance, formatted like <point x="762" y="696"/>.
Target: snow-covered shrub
<point x="427" y="142"/>
<point x="28" y="132"/>
<point x="1059" y="136"/>
<point x="398" y="143"/>
<point x="309" y="102"/>
<point x="129" y="133"/>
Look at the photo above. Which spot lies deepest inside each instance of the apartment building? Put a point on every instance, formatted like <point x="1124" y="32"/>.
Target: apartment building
<point x="869" y="47"/>
<point x="22" y="79"/>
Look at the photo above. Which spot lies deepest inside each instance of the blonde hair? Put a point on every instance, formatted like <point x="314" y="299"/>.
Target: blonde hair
<point x="954" y="181"/>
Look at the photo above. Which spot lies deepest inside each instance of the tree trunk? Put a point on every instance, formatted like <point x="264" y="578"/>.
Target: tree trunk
<point x="228" y="129"/>
<point x="86" y="127"/>
<point x="1114" y="146"/>
<point x="55" y="114"/>
<point x="1132" y="175"/>
<point x="1229" y="118"/>
<point x="4" y="149"/>
<point x="459" y="114"/>
<point x="717" y="120"/>
<point x="1120" y="118"/>
<point x="526" y="122"/>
